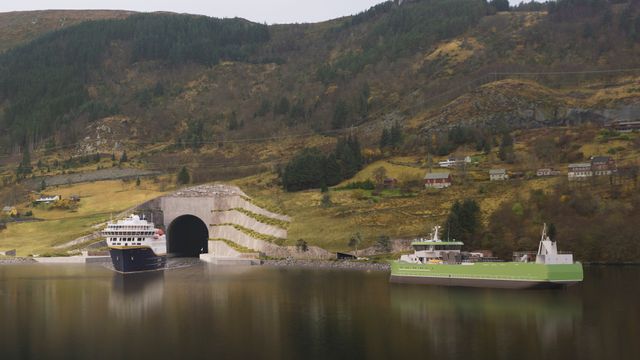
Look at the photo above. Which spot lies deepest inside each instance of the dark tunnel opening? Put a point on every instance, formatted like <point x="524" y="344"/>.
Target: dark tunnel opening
<point x="188" y="236"/>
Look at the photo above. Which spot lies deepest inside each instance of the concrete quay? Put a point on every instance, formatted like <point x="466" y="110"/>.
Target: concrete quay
<point x="72" y="260"/>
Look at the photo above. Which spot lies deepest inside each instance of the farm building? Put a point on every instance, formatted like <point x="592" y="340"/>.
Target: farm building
<point x="603" y="165"/>
<point x="437" y="180"/>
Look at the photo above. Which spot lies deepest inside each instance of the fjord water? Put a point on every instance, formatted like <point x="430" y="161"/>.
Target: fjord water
<point x="208" y="312"/>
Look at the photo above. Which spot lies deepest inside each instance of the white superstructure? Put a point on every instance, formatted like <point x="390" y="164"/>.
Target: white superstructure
<point x="548" y="251"/>
<point x="433" y="250"/>
<point x="135" y="232"/>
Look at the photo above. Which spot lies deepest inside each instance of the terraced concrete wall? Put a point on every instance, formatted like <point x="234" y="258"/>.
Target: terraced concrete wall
<point x="235" y="202"/>
<point x="217" y="205"/>
<point x="220" y="248"/>
<point x="228" y="232"/>
<point x="272" y="250"/>
<point x="238" y="218"/>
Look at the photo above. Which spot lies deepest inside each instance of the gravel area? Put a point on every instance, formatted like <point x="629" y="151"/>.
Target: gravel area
<point x="320" y="264"/>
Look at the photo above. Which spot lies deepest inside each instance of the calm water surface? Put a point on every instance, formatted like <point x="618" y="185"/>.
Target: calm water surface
<point x="207" y="312"/>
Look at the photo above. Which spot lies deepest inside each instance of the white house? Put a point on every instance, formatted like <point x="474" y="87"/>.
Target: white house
<point x="498" y="175"/>
<point x="547" y="172"/>
<point x="580" y="171"/>
<point x="454" y="162"/>
<point x="48" y="199"/>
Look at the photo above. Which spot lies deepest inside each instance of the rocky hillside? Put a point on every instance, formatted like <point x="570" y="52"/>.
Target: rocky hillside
<point x="166" y="85"/>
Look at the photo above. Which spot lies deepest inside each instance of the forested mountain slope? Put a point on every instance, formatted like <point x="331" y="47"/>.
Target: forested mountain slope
<point x="22" y="26"/>
<point x="192" y="80"/>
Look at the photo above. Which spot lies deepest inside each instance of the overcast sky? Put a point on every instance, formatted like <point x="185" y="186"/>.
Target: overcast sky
<point x="269" y="11"/>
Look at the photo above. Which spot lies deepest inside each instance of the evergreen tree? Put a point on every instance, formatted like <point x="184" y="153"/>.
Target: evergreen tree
<point x="265" y="108"/>
<point x="385" y="139"/>
<point x="305" y="171"/>
<point x="356" y="149"/>
<point x="326" y="200"/>
<point x="363" y="101"/>
<point x="396" y="135"/>
<point x="340" y="115"/>
<point x="505" y="153"/>
<point x="349" y="156"/>
<point x="332" y="171"/>
<point x="500" y="5"/>
<point x="124" y="157"/>
<point x="233" y="122"/>
<point x="282" y="107"/>
<point x="138" y="182"/>
<point x="463" y="222"/>
<point x="24" y="168"/>
<point x="183" y="177"/>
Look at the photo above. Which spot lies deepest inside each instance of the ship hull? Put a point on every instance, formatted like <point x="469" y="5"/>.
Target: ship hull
<point x="488" y="275"/>
<point x="136" y="259"/>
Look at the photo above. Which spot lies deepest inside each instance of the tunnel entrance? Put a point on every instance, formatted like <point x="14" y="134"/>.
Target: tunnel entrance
<point x="188" y="236"/>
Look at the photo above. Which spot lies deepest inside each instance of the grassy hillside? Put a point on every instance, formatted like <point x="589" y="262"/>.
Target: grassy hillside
<point x="99" y="201"/>
<point x="413" y="212"/>
<point x="229" y="99"/>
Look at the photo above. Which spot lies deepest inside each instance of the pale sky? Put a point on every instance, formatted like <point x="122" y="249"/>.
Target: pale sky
<point x="269" y="11"/>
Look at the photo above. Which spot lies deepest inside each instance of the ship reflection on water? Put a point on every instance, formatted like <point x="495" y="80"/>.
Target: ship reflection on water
<point x="80" y="312"/>
<point x="134" y="295"/>
<point x="490" y="316"/>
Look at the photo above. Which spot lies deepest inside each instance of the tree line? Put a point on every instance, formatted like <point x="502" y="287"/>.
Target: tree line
<point x="312" y="169"/>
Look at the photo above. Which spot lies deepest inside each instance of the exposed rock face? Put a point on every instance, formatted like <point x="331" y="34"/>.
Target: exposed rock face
<point x="492" y="108"/>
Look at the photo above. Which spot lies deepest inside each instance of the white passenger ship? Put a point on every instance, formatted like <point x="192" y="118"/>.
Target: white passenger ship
<point x="136" y="245"/>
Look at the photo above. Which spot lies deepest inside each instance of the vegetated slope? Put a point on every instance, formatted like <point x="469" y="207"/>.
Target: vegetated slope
<point x="391" y="63"/>
<point x="20" y="27"/>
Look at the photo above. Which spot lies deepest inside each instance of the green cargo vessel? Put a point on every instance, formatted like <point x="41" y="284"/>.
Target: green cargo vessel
<point x="437" y="262"/>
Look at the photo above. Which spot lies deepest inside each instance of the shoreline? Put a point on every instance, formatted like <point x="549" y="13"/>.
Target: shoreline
<point x="327" y="264"/>
<point x="292" y="263"/>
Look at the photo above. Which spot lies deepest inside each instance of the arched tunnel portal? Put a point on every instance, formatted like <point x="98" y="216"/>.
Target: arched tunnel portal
<point x="187" y="236"/>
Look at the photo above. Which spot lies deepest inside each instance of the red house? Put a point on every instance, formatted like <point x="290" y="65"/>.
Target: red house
<point x="437" y="180"/>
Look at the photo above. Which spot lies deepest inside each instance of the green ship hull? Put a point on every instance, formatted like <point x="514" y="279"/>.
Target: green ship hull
<point x="511" y="275"/>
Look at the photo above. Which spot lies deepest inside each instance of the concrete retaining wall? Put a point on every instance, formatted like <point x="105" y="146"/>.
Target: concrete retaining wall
<point x="272" y="250"/>
<point x="220" y="248"/>
<point x="232" y="234"/>
<point x="234" y="202"/>
<point x="238" y="218"/>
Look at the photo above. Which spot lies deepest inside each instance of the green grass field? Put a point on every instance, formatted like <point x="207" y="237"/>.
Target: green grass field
<point x="99" y="201"/>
